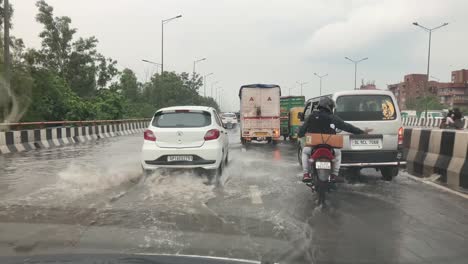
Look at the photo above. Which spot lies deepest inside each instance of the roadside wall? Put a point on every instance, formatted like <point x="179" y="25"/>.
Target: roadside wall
<point x="25" y="140"/>
<point x="438" y="151"/>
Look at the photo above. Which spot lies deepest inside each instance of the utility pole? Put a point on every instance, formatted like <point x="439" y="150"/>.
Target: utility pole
<point x="429" y="30"/>
<point x="6" y="42"/>
<point x="164" y="21"/>
<point x="204" y="83"/>
<point x="355" y="69"/>
<point x="320" y="77"/>
<point x="301" y="84"/>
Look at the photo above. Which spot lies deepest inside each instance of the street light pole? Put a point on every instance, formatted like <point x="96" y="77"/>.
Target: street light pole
<point x="301" y="84"/>
<point x="164" y="21"/>
<point x="428" y="58"/>
<point x="320" y="77"/>
<point x="212" y="84"/>
<point x="204" y="83"/>
<point x="195" y="62"/>
<point x="355" y="69"/>
<point x="152" y="62"/>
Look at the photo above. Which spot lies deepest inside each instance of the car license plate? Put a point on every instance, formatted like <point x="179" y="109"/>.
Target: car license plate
<point x="179" y="158"/>
<point x="374" y="143"/>
<point x="323" y="165"/>
<point x="261" y="134"/>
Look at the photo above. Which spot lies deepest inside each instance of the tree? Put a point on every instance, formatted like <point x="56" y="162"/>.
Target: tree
<point x="129" y="85"/>
<point x="77" y="62"/>
<point x="419" y="104"/>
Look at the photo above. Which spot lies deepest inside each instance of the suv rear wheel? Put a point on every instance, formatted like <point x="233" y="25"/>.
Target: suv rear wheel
<point x="389" y="172"/>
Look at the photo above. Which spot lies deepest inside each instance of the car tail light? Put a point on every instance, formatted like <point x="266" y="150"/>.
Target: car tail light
<point x="212" y="134"/>
<point x="276" y="133"/>
<point x="182" y="111"/>
<point x="149" y="135"/>
<point x="400" y="136"/>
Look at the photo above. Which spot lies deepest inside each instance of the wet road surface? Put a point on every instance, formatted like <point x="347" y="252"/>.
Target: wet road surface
<point x="90" y="198"/>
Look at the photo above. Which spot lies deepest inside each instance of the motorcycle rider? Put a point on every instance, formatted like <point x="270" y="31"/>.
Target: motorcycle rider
<point x="325" y="122"/>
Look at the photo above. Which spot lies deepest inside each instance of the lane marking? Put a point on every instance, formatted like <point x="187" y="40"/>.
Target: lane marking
<point x="438" y="186"/>
<point x="255" y="194"/>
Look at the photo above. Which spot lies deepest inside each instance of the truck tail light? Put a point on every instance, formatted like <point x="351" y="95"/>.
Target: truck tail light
<point x="400" y="136"/>
<point x="212" y="134"/>
<point x="149" y="135"/>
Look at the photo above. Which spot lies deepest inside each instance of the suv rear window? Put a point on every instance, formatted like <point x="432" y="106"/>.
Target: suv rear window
<point x="365" y="108"/>
<point x="182" y="119"/>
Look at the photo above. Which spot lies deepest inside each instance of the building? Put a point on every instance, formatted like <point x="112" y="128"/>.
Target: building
<point x="460" y="76"/>
<point x="453" y="94"/>
<point x="411" y="87"/>
<point x="368" y="86"/>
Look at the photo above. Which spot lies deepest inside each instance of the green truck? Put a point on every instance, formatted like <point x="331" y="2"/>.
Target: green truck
<point x="286" y="103"/>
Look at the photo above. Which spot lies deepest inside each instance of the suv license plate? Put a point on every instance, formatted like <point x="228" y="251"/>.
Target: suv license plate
<point x="323" y="165"/>
<point x="366" y="143"/>
<point x="179" y="158"/>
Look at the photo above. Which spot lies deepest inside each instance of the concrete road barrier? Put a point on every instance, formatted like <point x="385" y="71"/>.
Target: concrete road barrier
<point x="431" y="122"/>
<point x="437" y="151"/>
<point x="25" y="140"/>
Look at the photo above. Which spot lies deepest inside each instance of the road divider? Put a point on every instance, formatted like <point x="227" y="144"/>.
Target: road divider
<point x="437" y="151"/>
<point x="430" y="122"/>
<point x="26" y="140"/>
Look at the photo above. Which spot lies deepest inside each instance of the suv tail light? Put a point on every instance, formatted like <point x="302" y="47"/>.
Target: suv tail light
<point x="149" y="135"/>
<point x="400" y="136"/>
<point x="212" y="134"/>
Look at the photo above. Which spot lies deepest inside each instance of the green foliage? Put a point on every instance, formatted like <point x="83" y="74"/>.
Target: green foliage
<point x="419" y="104"/>
<point x="67" y="79"/>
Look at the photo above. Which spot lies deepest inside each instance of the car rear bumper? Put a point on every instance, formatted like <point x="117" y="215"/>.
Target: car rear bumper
<point x="207" y="157"/>
<point x="372" y="158"/>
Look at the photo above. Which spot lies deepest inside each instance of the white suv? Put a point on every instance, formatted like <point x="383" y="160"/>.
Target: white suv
<point x="229" y="119"/>
<point x="186" y="137"/>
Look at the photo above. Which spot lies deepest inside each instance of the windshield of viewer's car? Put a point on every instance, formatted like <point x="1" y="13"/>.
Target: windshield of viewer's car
<point x="184" y="119"/>
<point x="365" y="107"/>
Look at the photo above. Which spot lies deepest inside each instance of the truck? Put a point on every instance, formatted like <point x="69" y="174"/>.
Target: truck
<point x="260" y="113"/>
<point x="286" y="103"/>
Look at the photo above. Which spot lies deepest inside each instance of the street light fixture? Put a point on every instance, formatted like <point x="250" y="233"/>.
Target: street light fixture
<point x="212" y="84"/>
<point x="204" y="83"/>
<point x="320" y="77"/>
<point x="152" y="62"/>
<point x="301" y="84"/>
<point x="195" y="62"/>
<point x="165" y="21"/>
<point x="429" y="30"/>
<point x="355" y="69"/>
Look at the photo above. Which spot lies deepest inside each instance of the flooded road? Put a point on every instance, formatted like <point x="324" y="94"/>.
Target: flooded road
<point x="91" y="198"/>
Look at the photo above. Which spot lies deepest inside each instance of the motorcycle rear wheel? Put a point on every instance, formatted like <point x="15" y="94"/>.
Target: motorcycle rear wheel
<point x="321" y="188"/>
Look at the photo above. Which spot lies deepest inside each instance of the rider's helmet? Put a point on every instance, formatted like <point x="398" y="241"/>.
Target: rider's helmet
<point x="327" y="104"/>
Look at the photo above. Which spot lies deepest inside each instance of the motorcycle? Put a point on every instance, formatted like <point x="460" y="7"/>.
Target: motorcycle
<point x="320" y="165"/>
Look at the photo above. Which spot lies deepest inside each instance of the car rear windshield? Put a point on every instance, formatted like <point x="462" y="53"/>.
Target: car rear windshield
<point x="365" y="108"/>
<point x="182" y="119"/>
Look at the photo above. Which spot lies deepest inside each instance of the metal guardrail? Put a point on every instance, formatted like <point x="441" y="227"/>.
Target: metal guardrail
<point x="43" y="124"/>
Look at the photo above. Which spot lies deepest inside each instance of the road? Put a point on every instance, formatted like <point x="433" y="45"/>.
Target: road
<point x="91" y="198"/>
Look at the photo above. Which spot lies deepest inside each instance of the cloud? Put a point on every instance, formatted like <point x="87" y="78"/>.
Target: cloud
<point x="373" y="21"/>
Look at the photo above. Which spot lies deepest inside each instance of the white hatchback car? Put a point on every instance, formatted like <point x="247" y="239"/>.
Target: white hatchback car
<point x="191" y="137"/>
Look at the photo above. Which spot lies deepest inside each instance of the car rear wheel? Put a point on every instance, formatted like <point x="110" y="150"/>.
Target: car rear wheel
<point x="214" y="176"/>
<point x="389" y="172"/>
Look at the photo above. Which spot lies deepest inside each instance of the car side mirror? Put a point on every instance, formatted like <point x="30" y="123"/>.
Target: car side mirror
<point x="300" y="116"/>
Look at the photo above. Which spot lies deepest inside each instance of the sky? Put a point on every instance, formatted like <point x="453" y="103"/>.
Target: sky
<point x="269" y="41"/>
